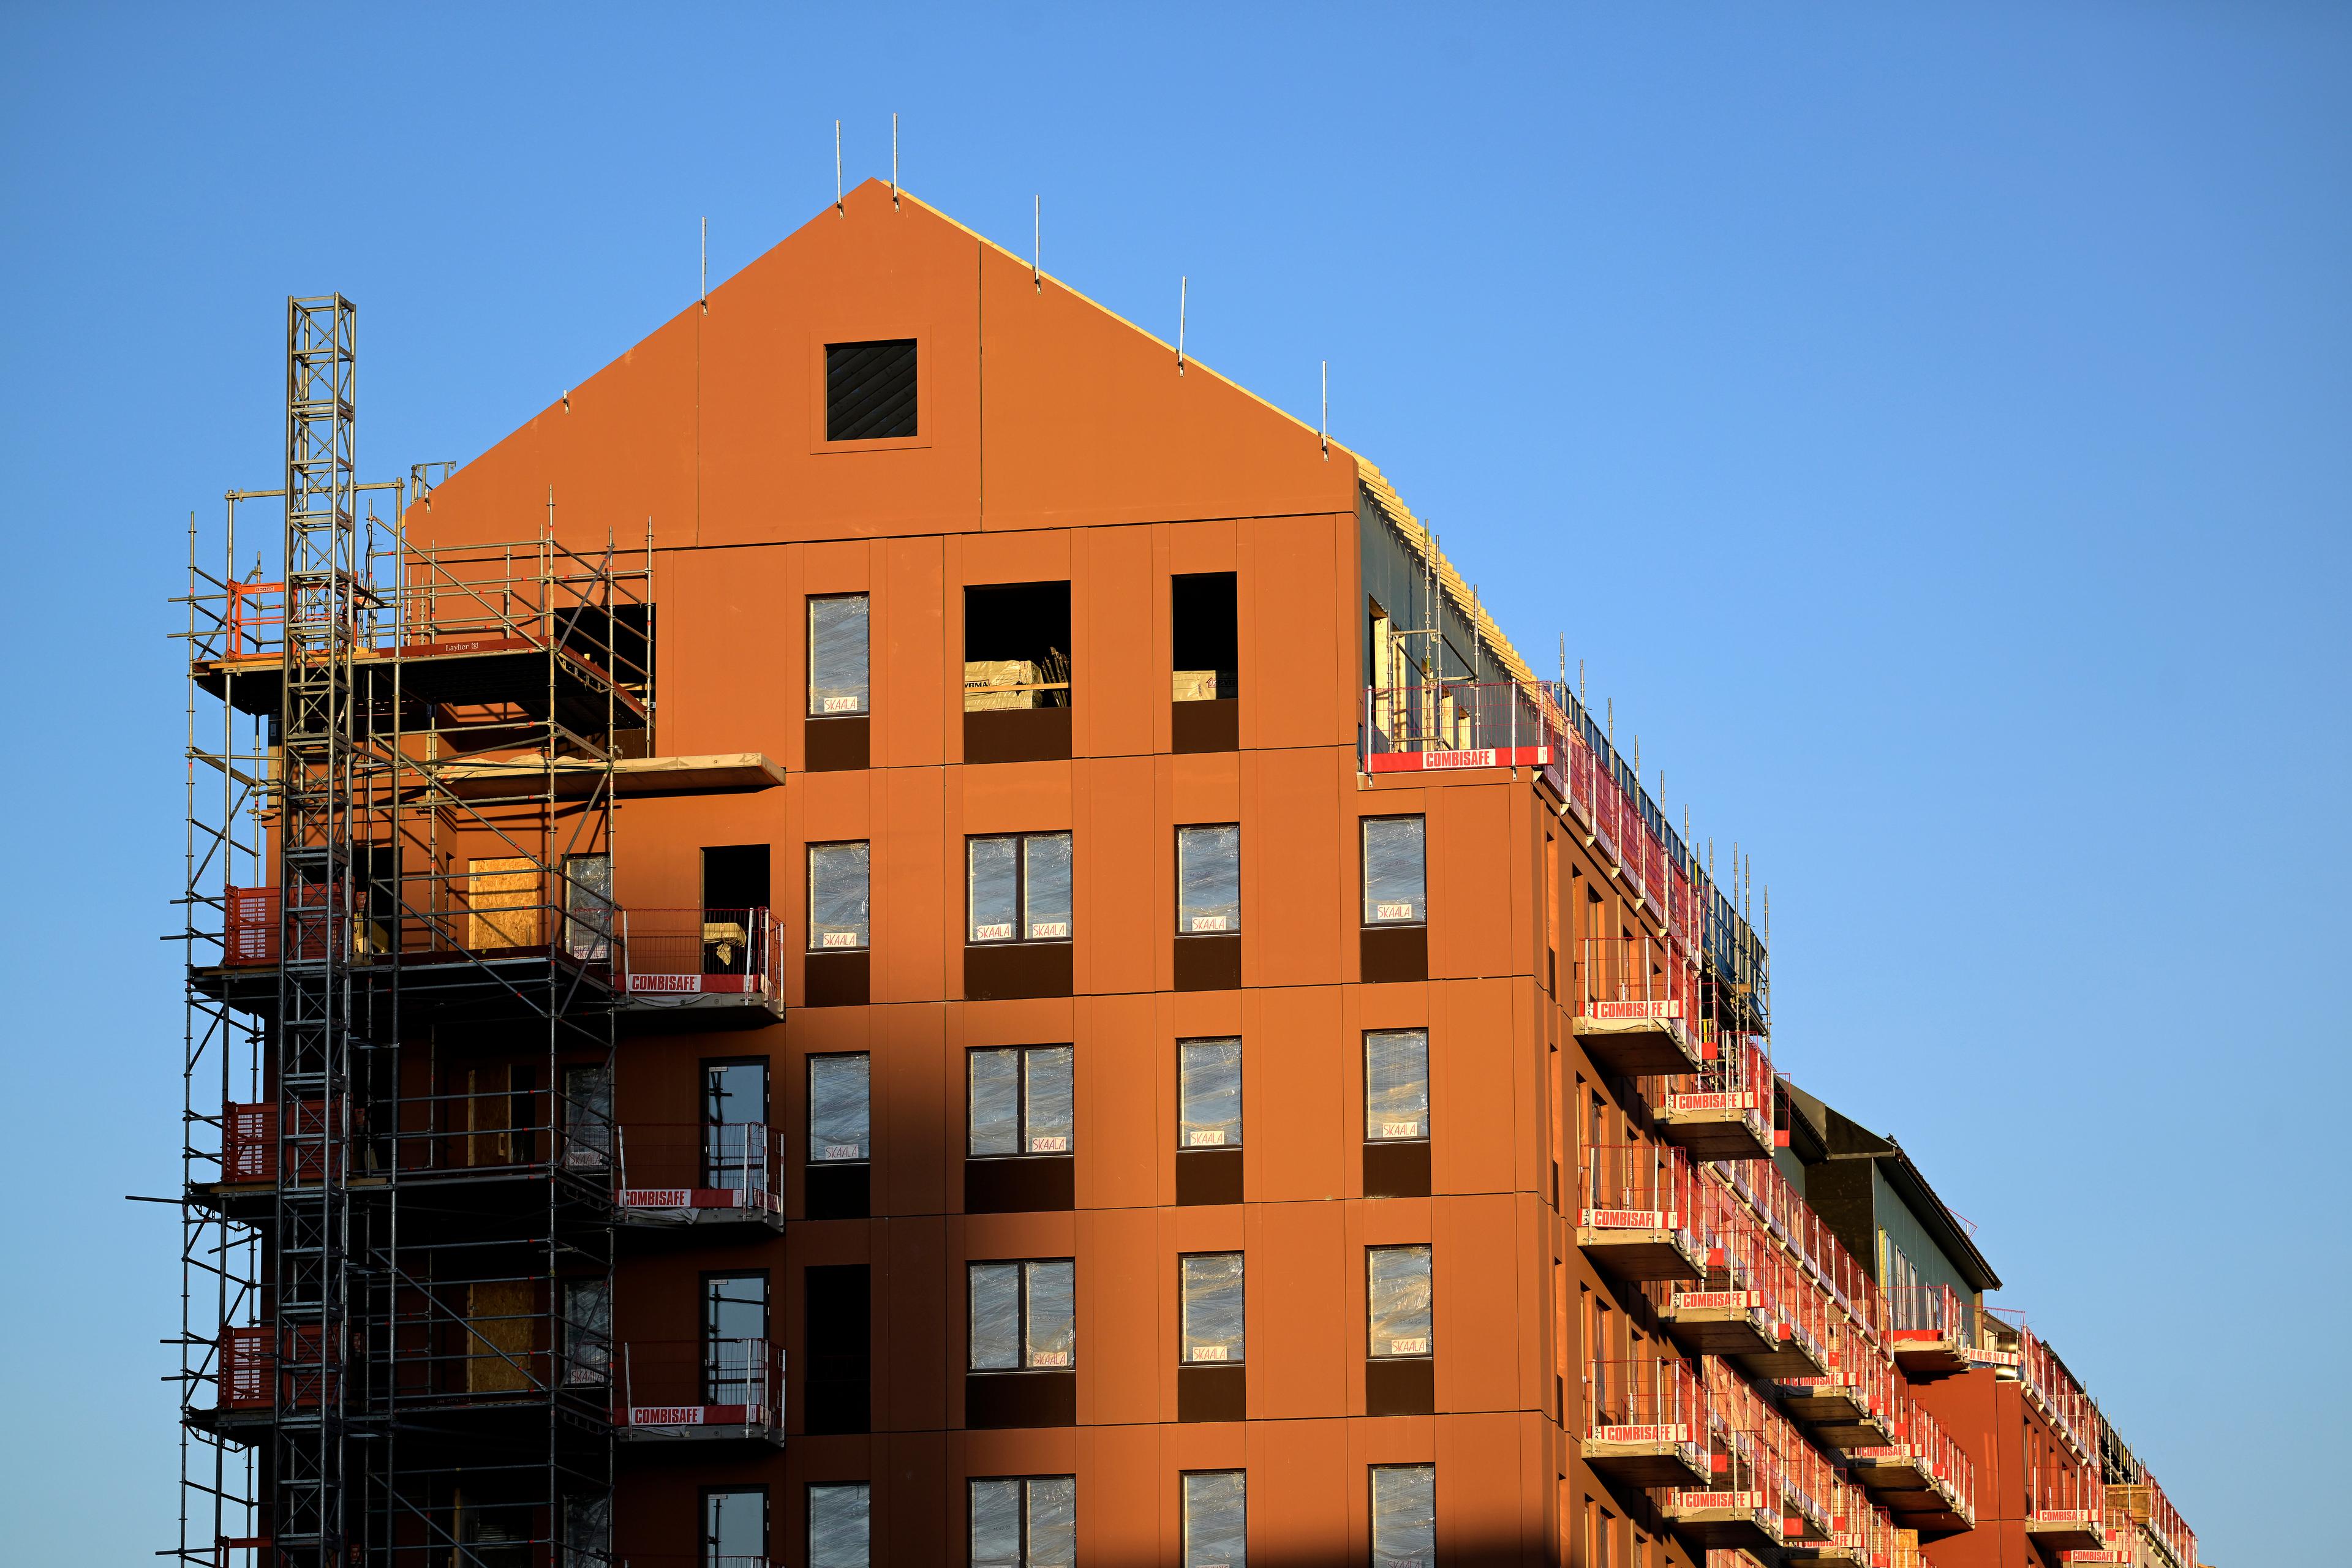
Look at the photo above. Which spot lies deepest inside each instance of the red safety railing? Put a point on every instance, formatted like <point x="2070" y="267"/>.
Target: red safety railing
<point x="252" y="930"/>
<point x="1638" y="977"/>
<point x="249" y="1142"/>
<point x="1792" y="1222"/>
<point x="700" y="952"/>
<point x="2171" y="1531"/>
<point x="2063" y="1487"/>
<point x="1734" y="1074"/>
<point x="1652" y="1402"/>
<point x="679" y="1386"/>
<point x="1922" y="1438"/>
<point x="1930" y="1314"/>
<point x="1647" y="1186"/>
<point x="249" y="1361"/>
<point x="2053" y="1390"/>
<point x="676" y="1169"/>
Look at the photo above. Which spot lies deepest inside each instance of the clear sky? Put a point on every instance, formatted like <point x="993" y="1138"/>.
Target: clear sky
<point x="1927" y="423"/>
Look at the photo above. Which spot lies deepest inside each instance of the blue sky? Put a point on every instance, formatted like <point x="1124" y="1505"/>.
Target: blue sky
<point x="1929" y="424"/>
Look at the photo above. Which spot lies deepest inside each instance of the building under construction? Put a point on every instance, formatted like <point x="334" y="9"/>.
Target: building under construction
<point x="910" y="929"/>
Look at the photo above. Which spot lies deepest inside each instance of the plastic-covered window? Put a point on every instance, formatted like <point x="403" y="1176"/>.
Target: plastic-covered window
<point x="838" y="678"/>
<point x="1396" y="1085"/>
<point x="1023" y="1316"/>
<point x="1404" y="1516"/>
<point x="840" y="906"/>
<point x="588" y="1530"/>
<point x="839" y="1527"/>
<point x="840" y="1107"/>
<point x="1208" y="880"/>
<point x="1045" y="886"/>
<point x="1396" y="890"/>
<point x="1213" y="1314"/>
<point x="587" y="1331"/>
<point x="1209" y="1094"/>
<point x="1217" y="1518"/>
<point x="1397" y="1321"/>
<point x="1024" y="1523"/>
<point x="1021" y="1102"/>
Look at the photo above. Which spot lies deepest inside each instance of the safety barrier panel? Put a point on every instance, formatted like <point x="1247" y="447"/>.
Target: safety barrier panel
<point x="676" y="1170"/>
<point x="714" y="1387"/>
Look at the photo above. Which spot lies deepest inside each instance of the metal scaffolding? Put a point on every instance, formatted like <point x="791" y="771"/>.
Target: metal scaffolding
<point x="400" y="1167"/>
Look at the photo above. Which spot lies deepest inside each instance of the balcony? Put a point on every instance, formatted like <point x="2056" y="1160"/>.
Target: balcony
<point x="1635" y="1008"/>
<point x="1724" y="1110"/>
<point x="1646" y="1424"/>
<point x="2052" y="1391"/>
<point x="1923" y="1477"/>
<point x="716" y="1390"/>
<point x="716" y="967"/>
<point x="706" y="1177"/>
<point x="1929" y="1329"/>
<point x="1643" y="1213"/>
<point x="1732" y="1322"/>
<point x="2055" y="1532"/>
<point x="1848" y="1406"/>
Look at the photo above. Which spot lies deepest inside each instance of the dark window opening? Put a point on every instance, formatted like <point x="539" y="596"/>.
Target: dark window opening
<point x="1205" y="639"/>
<point x="869" y="390"/>
<point x="837" y="1332"/>
<point x="735" y="877"/>
<point x="1016" y="646"/>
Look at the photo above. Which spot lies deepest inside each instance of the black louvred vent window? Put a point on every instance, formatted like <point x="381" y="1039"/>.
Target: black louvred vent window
<point x="869" y="391"/>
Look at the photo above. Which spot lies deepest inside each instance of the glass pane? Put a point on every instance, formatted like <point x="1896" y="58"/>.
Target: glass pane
<point x="588" y="907"/>
<point x="1050" y="1112"/>
<point x="993" y="878"/>
<point x="588" y="1530"/>
<point x="588" y="1117"/>
<point x="1404" y="1516"/>
<point x="1396" y="1084"/>
<point x="1046" y="887"/>
<point x="587" y="1331"/>
<point x="1052" y="1314"/>
<point x="840" y="912"/>
<point x="996" y="1317"/>
<point x="1215" y="1521"/>
<point x="837" y="658"/>
<point x="1212" y="1306"/>
<point x="840" y="1107"/>
<point x="1209" y="1094"/>
<point x="1400" y="1302"/>
<point x="1392" y="870"/>
<point x="735" y="1529"/>
<point x="995" y="1102"/>
<point x="1054" y="1521"/>
<point x="734" y="1130"/>
<point x="1208" y="880"/>
<point x="735" y="1307"/>
<point x="996" y="1525"/>
<point x="838" y="1527"/>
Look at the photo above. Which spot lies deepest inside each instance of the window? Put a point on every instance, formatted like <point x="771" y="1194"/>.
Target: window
<point x="1020" y="887"/>
<point x="735" y="1527"/>
<point x="587" y="1332"/>
<point x="1204" y="637"/>
<point x="840" y="1109"/>
<point x="734" y="879"/>
<point x="1016" y="646"/>
<point x="1217" y="1518"/>
<point x="1208" y="880"/>
<point x="1207" y="1094"/>
<point x="1212" y="1307"/>
<point x="1029" y="1522"/>
<point x="735" y="1125"/>
<point x="1024" y="1315"/>
<point x="1021" y="1102"/>
<point x="840" y="906"/>
<point x="839" y="1526"/>
<point x="734" y="1339"/>
<point x="1398" y="1297"/>
<point x="587" y="906"/>
<point x="869" y="391"/>
<point x="1404" y="1516"/>
<point x="1393" y="883"/>
<point x="839" y="678"/>
<point x="587" y="1530"/>
<point x="1396" y="1085"/>
<point x="587" y="1117"/>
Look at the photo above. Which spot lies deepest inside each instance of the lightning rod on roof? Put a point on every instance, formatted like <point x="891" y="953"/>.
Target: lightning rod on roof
<point x="1183" y="292"/>
<point x="1036" y="242"/>
<point x="1324" y="430"/>
<point x="894" y="157"/>
<point x="706" y="264"/>
<point x="836" y="166"/>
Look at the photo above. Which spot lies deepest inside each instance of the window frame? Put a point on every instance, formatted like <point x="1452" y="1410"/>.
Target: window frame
<point x="1184" y="1134"/>
<point x="865" y="941"/>
<point x="706" y="1555"/>
<point x="1427" y="1341"/>
<point x="1021" y="1316"/>
<point x="1370" y="922"/>
<point x="864" y="701"/>
<point x="1024" y="1137"/>
<point x="824" y="409"/>
<point x="1233" y="922"/>
<point x="1184" y="1480"/>
<point x="810" y="1155"/>
<point x="715" y="1150"/>
<point x="1184" y="1343"/>
<point x="1373" y="1509"/>
<point x="1026" y="1483"/>
<point x="1428" y="1113"/>
<point x="1022" y="926"/>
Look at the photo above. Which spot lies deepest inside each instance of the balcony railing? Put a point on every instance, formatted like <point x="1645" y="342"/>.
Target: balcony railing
<point x="1930" y="1328"/>
<point x="1636" y="1002"/>
<point x="707" y="1173"/>
<point x="703" y="1389"/>
<point x="682" y="955"/>
<point x="1644" y="1213"/>
<point x="2050" y="1389"/>
<point x="1646" y="1423"/>
<point x="1723" y="1110"/>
